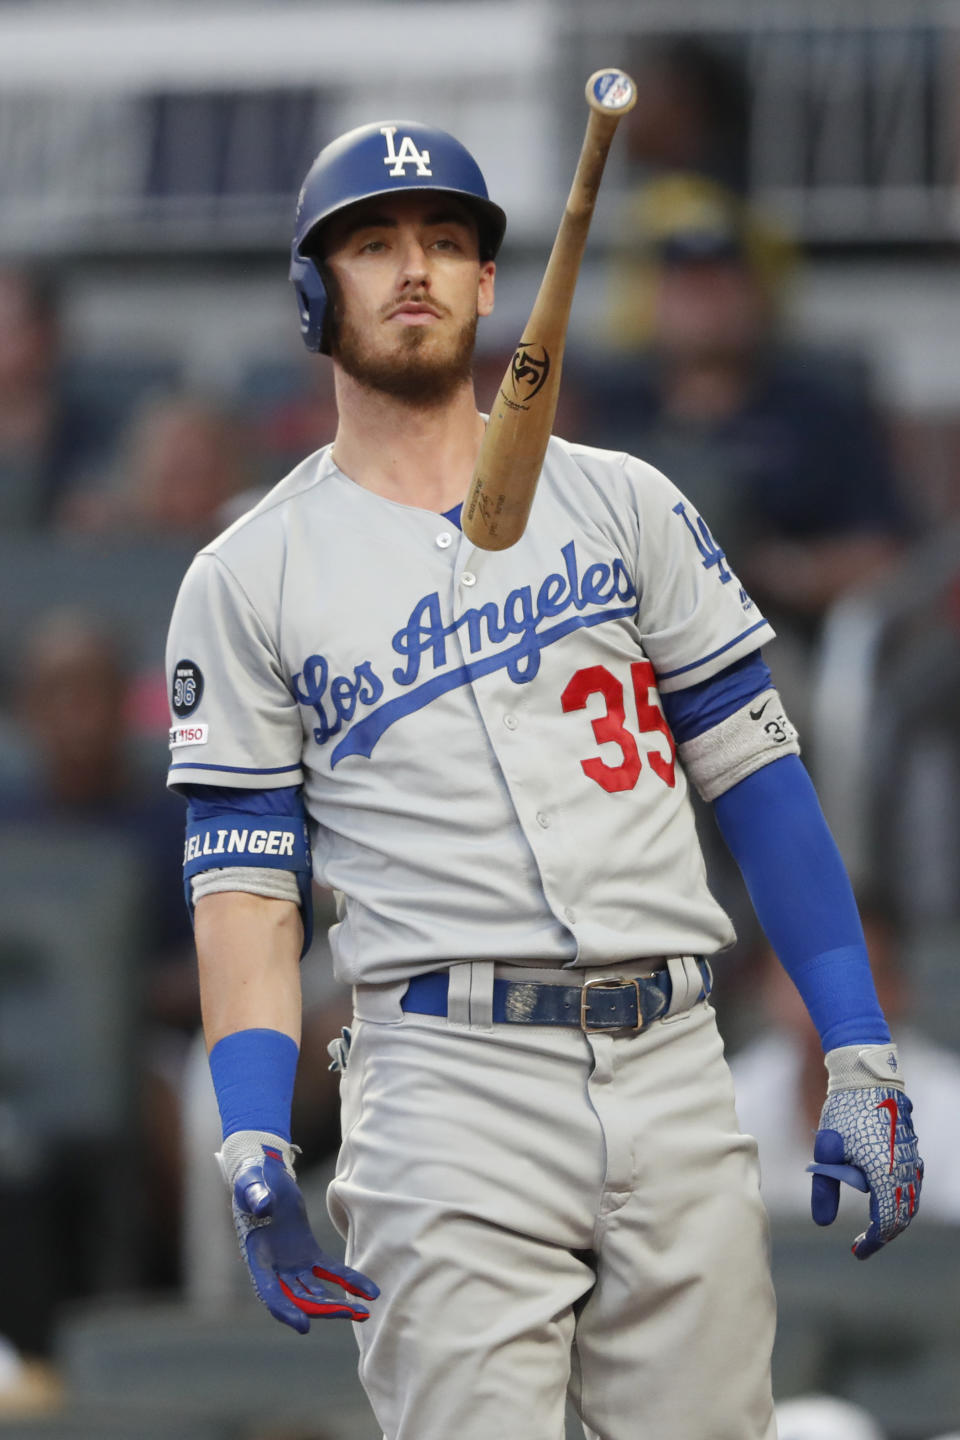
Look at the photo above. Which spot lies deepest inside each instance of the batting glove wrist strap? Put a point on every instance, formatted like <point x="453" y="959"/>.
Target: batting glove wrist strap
<point x="245" y="1148"/>
<point x="853" y="1067"/>
<point x="290" y="1273"/>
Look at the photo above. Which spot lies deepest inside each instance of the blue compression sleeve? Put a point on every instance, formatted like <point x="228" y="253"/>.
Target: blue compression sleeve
<point x="253" y="1073"/>
<point x="802" y="896"/>
<point x="699" y="707"/>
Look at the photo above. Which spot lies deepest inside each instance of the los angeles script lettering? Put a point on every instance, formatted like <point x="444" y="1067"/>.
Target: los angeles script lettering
<point x="604" y="591"/>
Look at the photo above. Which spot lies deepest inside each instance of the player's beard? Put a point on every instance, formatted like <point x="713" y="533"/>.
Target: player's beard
<point x="419" y="370"/>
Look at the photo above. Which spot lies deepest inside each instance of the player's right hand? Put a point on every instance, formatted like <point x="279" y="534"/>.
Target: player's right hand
<point x="290" y="1273"/>
<point x="866" y="1139"/>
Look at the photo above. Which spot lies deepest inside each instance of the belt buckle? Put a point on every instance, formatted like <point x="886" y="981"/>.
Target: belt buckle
<point x="605" y="983"/>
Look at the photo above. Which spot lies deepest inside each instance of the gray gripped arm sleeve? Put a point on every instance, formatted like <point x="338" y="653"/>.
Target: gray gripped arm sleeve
<point x="271" y="884"/>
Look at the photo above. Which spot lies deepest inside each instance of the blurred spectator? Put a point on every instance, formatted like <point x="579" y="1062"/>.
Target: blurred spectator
<point x="780" y="1084"/>
<point x="928" y="450"/>
<point x="71" y="691"/>
<point x="291" y="410"/>
<point x="185" y="470"/>
<point x="70" y="701"/>
<point x="823" y="1417"/>
<point x="682" y="218"/>
<point x="778" y="446"/>
<point x="693" y="108"/>
<point x="49" y="436"/>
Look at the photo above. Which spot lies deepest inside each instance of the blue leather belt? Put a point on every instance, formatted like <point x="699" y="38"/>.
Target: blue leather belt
<point x="601" y="1004"/>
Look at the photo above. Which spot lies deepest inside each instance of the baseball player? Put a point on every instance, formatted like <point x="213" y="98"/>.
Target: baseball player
<point x="542" y="1187"/>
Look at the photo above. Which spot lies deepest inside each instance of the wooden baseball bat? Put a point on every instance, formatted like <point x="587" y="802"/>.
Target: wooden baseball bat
<point x="521" y="418"/>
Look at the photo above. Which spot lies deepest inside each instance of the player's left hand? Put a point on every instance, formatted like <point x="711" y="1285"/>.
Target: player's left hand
<point x="290" y="1273"/>
<point x="866" y="1139"/>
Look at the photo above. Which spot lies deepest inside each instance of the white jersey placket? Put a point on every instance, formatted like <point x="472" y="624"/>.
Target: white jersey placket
<point x="510" y="731"/>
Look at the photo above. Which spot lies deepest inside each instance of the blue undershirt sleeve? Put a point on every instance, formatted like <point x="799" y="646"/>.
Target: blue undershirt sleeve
<point x="777" y="833"/>
<point x="774" y="826"/>
<point x="206" y="802"/>
<point x="698" y="708"/>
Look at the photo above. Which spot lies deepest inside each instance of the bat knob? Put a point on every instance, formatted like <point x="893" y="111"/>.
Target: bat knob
<point x="611" y="92"/>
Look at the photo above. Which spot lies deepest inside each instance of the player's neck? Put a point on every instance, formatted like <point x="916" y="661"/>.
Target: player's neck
<point x="421" y="457"/>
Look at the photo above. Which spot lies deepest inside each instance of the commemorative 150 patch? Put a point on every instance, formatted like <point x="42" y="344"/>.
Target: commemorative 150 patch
<point x="188" y="735"/>
<point x="187" y="688"/>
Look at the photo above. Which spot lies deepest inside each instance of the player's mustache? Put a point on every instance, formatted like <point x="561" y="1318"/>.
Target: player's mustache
<point x="420" y="297"/>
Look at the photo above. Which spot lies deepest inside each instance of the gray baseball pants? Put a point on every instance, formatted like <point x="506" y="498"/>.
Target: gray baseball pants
<point x="548" y="1211"/>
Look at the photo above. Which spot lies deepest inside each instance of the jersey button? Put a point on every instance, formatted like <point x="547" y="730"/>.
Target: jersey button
<point x="569" y="913"/>
<point x="510" y="721"/>
<point x="468" y="578"/>
<point x="543" y="820"/>
<point x="444" y="540"/>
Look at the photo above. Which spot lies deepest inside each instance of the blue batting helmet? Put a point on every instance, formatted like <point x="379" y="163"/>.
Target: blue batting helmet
<point x="380" y="159"/>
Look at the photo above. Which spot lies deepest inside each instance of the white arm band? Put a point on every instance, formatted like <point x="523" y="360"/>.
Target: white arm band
<point x="272" y="884"/>
<point x="744" y="742"/>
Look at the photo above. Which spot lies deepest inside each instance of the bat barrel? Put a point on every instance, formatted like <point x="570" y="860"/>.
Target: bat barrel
<point x="515" y="442"/>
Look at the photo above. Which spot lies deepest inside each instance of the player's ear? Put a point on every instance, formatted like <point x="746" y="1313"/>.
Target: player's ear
<point x="485" y="288"/>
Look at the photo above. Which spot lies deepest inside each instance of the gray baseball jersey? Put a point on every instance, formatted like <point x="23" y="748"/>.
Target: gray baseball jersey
<point x="484" y="759"/>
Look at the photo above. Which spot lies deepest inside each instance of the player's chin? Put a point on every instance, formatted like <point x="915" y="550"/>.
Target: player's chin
<point x="435" y="358"/>
<point x="410" y="339"/>
<point x="433" y="339"/>
<point x="416" y="364"/>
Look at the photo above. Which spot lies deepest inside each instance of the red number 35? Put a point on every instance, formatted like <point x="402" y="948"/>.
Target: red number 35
<point x="611" y="726"/>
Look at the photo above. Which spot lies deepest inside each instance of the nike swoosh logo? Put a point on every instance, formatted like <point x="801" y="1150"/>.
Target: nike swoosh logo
<point x="755" y="714"/>
<point x="892" y="1108"/>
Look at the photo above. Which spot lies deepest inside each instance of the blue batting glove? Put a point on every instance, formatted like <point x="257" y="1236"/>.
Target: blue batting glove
<point x="290" y="1272"/>
<point x="866" y="1139"/>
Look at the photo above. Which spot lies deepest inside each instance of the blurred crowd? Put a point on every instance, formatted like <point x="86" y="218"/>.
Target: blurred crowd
<point x="113" y="472"/>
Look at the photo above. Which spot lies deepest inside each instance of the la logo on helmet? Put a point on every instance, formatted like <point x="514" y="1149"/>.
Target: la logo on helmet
<point x="408" y="154"/>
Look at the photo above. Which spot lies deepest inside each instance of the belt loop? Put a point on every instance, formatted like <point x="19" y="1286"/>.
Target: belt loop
<point x="481" y="995"/>
<point x="687" y="982"/>
<point x="458" y="993"/>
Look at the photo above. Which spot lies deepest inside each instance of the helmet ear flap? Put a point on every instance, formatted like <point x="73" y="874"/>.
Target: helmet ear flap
<point x="311" y="300"/>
